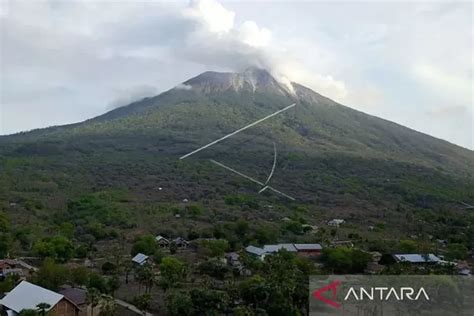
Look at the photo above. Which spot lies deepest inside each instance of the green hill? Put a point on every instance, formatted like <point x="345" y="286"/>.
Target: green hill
<point x="334" y="160"/>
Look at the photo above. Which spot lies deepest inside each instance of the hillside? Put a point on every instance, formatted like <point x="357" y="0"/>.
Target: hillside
<point x="334" y="160"/>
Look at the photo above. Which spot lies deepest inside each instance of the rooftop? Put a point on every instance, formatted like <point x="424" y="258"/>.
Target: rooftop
<point x="276" y="248"/>
<point x="255" y="250"/>
<point x="140" y="258"/>
<point x="27" y="295"/>
<point x="416" y="258"/>
<point x="308" y="247"/>
<point x="75" y="295"/>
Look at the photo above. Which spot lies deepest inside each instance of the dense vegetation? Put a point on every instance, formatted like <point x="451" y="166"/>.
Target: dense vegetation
<point x="104" y="188"/>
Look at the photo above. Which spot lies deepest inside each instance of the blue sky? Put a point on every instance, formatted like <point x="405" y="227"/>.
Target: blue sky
<point x="409" y="62"/>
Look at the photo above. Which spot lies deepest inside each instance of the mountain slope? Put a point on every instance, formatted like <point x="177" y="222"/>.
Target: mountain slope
<point x="326" y="151"/>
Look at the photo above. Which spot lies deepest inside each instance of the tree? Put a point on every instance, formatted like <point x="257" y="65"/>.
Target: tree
<point x="92" y="298"/>
<point x="345" y="260"/>
<point x="209" y="302"/>
<point x="108" y="268"/>
<point x="214" y="268"/>
<point x="145" y="276"/>
<point x="5" y="238"/>
<point x="43" y="308"/>
<point x="143" y="302"/>
<point x="108" y="307"/>
<point x="173" y="272"/>
<point x="127" y="268"/>
<point x="113" y="284"/>
<point x="98" y="282"/>
<point x="58" y="247"/>
<point x="144" y="244"/>
<point x="51" y="275"/>
<point x="456" y="251"/>
<point x="79" y="276"/>
<point x="241" y="228"/>
<point x="407" y="246"/>
<point x="7" y="284"/>
<point x="179" y="303"/>
<point x="214" y="248"/>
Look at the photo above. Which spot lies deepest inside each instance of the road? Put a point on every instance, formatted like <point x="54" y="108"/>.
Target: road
<point x="131" y="307"/>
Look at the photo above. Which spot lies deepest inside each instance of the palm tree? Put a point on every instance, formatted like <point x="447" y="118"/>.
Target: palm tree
<point x="92" y="298"/>
<point x="43" y="308"/>
<point x="108" y="307"/>
<point x="146" y="276"/>
<point x="127" y="267"/>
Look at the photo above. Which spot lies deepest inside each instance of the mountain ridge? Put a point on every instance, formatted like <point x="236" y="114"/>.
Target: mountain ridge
<point x="318" y="121"/>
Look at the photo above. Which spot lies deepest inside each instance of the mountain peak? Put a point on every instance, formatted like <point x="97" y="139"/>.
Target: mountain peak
<point x="252" y="79"/>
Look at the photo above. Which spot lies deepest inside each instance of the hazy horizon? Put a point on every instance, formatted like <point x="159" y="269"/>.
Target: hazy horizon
<point x="410" y="63"/>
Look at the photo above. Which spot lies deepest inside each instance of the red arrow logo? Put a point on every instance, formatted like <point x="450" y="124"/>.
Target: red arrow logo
<point x="331" y="287"/>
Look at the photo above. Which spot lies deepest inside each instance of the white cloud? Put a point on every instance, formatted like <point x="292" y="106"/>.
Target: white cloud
<point x="183" y="86"/>
<point x="66" y="60"/>
<point x="212" y="15"/>
<point x="252" y="35"/>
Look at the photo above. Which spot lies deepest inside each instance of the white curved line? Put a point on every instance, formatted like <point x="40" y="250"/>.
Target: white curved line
<point x="274" y="163"/>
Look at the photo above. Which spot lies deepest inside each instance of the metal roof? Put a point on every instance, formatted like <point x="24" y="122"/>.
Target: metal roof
<point x="140" y="258"/>
<point x="416" y="258"/>
<point x="276" y="248"/>
<point x="76" y="295"/>
<point x="255" y="250"/>
<point x="159" y="237"/>
<point x="308" y="246"/>
<point x="27" y="295"/>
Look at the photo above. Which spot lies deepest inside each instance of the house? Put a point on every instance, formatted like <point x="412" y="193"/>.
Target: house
<point x="256" y="252"/>
<point x="416" y="259"/>
<point x="162" y="241"/>
<point x="233" y="259"/>
<point x="300" y="249"/>
<point x="336" y="222"/>
<point x="342" y="243"/>
<point x="181" y="242"/>
<point x="140" y="259"/>
<point x="308" y="249"/>
<point x="463" y="268"/>
<point x="275" y="248"/>
<point x="15" y="266"/>
<point x="79" y="297"/>
<point x="27" y="296"/>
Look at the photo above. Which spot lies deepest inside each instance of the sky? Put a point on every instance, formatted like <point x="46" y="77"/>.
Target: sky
<point x="408" y="62"/>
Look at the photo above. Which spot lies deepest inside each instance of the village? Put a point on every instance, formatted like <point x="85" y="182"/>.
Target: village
<point x="138" y="284"/>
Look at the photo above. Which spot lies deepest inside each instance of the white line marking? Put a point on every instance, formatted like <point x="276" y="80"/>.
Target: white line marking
<point x="251" y="179"/>
<point x="274" y="163"/>
<point x="238" y="131"/>
<point x="263" y="189"/>
<point x="237" y="172"/>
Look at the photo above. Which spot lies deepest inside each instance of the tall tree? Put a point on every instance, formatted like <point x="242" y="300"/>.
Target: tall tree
<point x="93" y="298"/>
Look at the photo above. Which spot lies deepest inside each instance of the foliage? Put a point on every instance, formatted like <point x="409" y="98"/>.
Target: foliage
<point x="79" y="276"/>
<point x="51" y="275"/>
<point x="173" y="272"/>
<point x="345" y="260"/>
<point x="214" y="268"/>
<point x="456" y="251"/>
<point x="145" y="244"/>
<point x="179" y="303"/>
<point x="58" y="247"/>
<point x="214" y="248"/>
